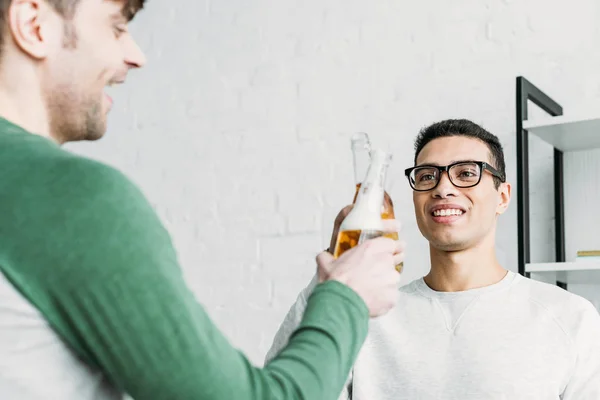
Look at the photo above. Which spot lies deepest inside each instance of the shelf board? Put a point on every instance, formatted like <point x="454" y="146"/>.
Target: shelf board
<point x="567" y="133"/>
<point x="580" y="272"/>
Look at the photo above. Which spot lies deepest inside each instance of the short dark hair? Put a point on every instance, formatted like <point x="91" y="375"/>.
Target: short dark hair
<point x="464" y="127"/>
<point x="66" y="8"/>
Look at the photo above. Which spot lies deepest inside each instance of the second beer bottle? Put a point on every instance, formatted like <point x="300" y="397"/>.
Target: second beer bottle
<point x="364" y="220"/>
<point x="361" y="155"/>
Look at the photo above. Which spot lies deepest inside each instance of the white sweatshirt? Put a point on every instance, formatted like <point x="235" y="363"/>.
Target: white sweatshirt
<point x="516" y="339"/>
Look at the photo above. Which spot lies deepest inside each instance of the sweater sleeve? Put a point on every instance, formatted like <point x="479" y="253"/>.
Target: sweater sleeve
<point x="97" y="262"/>
<point x="290" y="323"/>
<point x="585" y="380"/>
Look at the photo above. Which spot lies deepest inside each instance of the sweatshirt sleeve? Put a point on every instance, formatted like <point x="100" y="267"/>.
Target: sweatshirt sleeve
<point x="95" y="259"/>
<point x="291" y="322"/>
<point x="585" y="380"/>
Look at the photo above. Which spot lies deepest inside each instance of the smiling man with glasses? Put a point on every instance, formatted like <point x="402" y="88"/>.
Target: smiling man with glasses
<point x="470" y="329"/>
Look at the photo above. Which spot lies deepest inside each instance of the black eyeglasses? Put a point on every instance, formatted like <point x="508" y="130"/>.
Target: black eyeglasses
<point x="462" y="174"/>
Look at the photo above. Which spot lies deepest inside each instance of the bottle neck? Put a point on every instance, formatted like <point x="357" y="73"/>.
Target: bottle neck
<point x="361" y="153"/>
<point x="367" y="211"/>
<point x="372" y="189"/>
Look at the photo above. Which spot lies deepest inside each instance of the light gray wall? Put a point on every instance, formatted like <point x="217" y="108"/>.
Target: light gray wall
<point x="238" y="128"/>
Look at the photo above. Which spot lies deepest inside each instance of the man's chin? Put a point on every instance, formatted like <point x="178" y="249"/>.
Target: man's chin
<point x="448" y="244"/>
<point x="92" y="137"/>
<point x="96" y="130"/>
<point x="87" y="136"/>
<point x="88" y="127"/>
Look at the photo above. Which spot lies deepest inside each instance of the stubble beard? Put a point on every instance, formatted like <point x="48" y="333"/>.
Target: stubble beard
<point x="75" y="113"/>
<point x="74" y="118"/>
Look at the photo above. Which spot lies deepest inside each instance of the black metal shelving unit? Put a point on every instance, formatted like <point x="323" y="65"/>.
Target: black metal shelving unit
<point x="527" y="91"/>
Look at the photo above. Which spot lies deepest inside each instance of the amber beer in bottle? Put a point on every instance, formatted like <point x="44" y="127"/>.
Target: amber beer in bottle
<point x="361" y="154"/>
<point x="364" y="220"/>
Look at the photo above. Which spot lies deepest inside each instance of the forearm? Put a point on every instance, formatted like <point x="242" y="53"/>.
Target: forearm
<point x="291" y="321"/>
<point x="336" y="335"/>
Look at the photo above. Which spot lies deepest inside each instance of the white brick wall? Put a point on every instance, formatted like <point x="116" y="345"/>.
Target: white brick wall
<point x="243" y="140"/>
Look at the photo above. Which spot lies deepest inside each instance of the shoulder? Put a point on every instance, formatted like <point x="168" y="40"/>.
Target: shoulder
<point x="103" y="193"/>
<point x="83" y="176"/>
<point x="570" y="312"/>
<point x="552" y="297"/>
<point x="85" y="214"/>
<point x="52" y="190"/>
<point x="80" y="190"/>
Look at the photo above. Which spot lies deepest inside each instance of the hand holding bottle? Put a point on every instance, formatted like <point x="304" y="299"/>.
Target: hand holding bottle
<point x="368" y="269"/>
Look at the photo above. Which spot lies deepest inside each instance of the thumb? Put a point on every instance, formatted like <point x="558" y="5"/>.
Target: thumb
<point x="324" y="261"/>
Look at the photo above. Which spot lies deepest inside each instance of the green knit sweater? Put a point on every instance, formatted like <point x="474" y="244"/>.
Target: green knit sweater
<point x="82" y="244"/>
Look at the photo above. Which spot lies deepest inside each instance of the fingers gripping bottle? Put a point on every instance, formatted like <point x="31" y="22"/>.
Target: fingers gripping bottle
<point x="364" y="220"/>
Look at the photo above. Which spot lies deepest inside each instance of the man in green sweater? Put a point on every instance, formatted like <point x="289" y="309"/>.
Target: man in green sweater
<point x="93" y="303"/>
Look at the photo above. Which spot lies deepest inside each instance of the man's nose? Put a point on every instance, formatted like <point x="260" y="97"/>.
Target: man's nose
<point x="134" y="56"/>
<point x="445" y="188"/>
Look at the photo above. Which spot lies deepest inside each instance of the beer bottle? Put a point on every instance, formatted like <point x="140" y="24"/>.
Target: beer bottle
<point x="361" y="156"/>
<point x="364" y="220"/>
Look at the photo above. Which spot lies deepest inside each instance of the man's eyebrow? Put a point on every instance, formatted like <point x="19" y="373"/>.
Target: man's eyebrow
<point x="438" y="164"/>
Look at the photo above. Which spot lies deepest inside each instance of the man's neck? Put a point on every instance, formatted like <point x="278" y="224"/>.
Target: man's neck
<point x="21" y="100"/>
<point x="463" y="270"/>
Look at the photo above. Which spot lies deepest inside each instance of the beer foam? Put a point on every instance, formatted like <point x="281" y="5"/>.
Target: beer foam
<point x="362" y="219"/>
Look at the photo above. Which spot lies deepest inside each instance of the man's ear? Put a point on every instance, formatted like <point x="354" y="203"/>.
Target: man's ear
<point x="503" y="197"/>
<point x="34" y="27"/>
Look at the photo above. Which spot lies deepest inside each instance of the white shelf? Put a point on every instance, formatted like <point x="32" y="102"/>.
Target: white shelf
<point x="567" y="133"/>
<point x="580" y="272"/>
